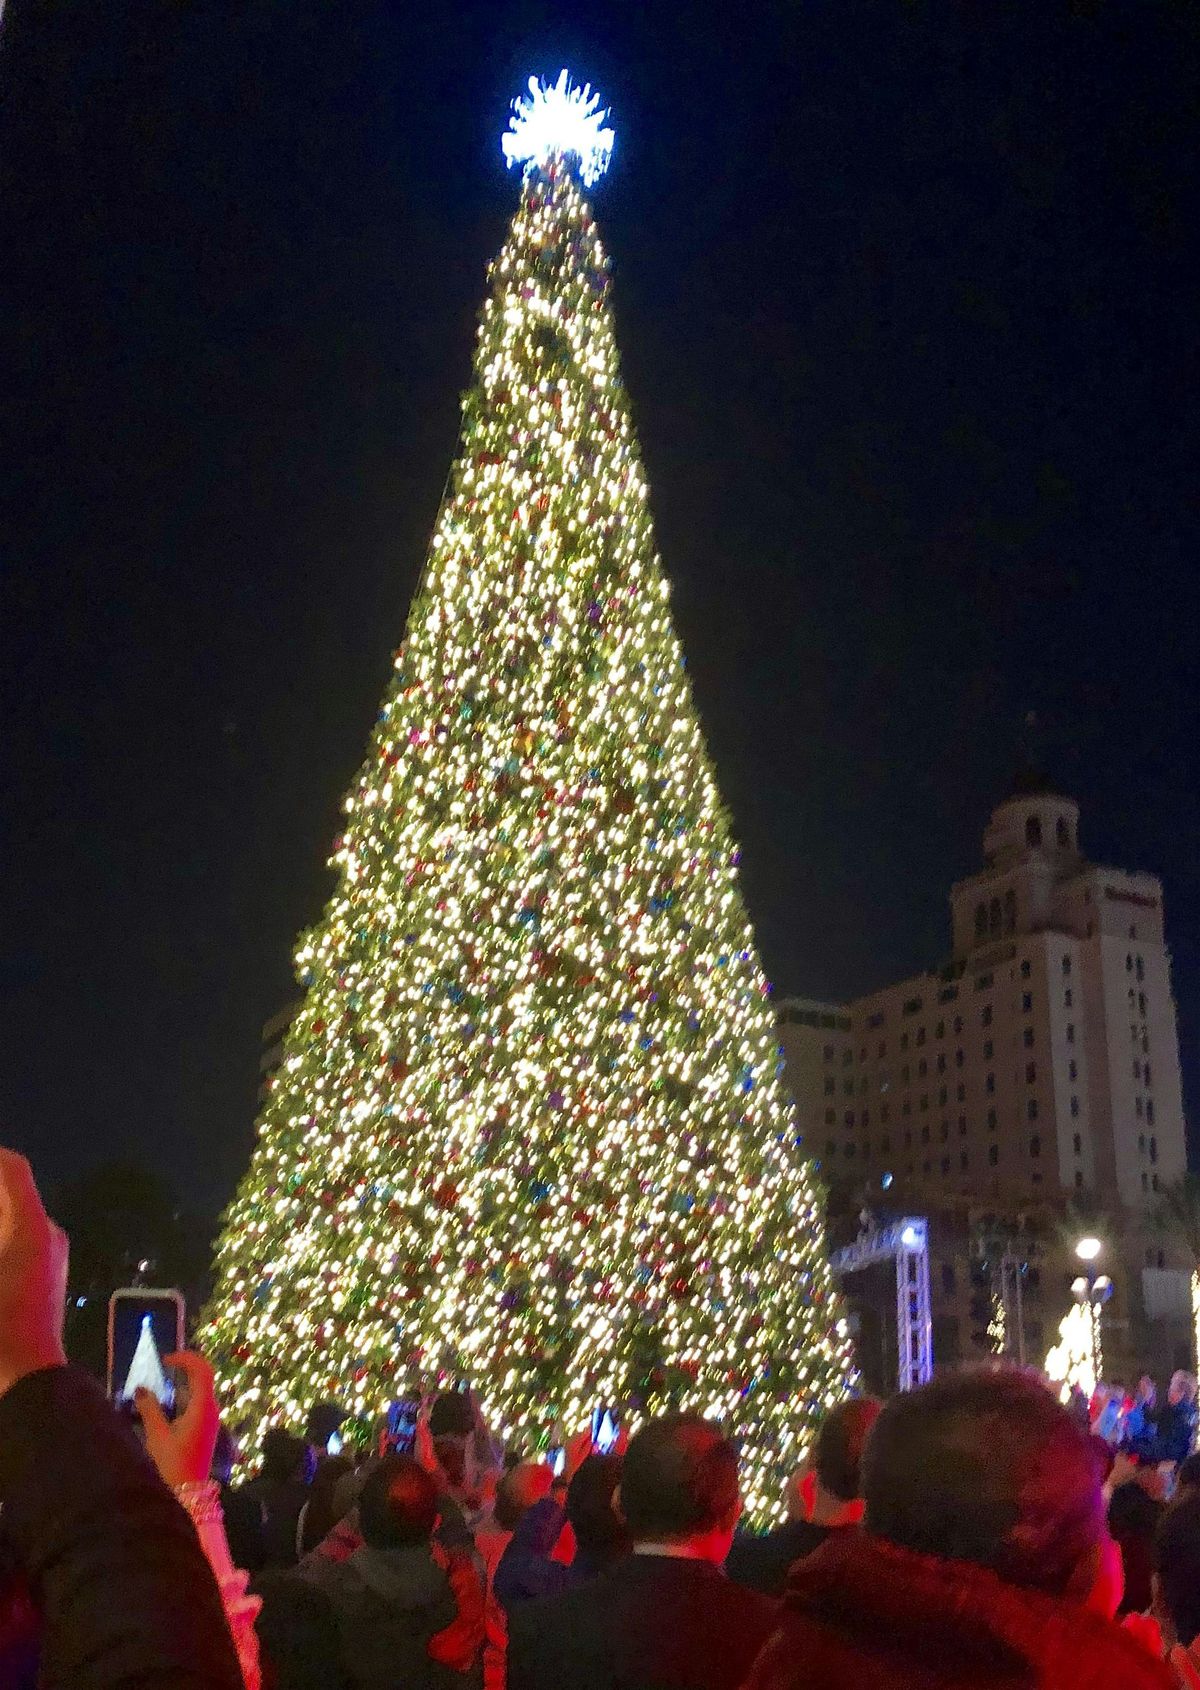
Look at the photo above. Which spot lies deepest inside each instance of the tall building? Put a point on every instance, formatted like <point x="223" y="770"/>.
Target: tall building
<point x="1031" y="1080"/>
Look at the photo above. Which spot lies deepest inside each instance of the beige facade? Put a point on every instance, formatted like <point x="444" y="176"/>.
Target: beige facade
<point x="1040" y="1063"/>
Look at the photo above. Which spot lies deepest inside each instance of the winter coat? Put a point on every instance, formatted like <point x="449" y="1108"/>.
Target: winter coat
<point x="378" y="1621"/>
<point x="651" y="1622"/>
<point x="122" y="1591"/>
<point x="861" y="1612"/>
<point x="763" y="1563"/>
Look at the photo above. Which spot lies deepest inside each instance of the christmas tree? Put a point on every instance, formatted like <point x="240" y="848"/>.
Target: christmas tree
<point x="529" y="1127"/>
<point x="145" y="1368"/>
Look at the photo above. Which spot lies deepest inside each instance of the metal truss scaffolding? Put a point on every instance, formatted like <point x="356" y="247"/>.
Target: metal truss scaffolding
<point x="907" y="1241"/>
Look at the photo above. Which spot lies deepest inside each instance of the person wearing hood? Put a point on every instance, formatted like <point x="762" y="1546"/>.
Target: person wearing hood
<point x="400" y="1612"/>
<point x="983" y="1559"/>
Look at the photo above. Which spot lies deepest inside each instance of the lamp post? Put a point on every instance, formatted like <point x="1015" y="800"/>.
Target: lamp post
<point x="1093" y="1290"/>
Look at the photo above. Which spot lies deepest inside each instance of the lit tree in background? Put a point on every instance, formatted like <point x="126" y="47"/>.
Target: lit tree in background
<point x="529" y="1126"/>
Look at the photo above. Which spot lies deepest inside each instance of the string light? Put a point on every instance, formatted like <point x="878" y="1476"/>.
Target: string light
<point x="530" y="1126"/>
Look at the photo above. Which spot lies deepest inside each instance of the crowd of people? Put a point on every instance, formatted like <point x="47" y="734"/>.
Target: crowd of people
<point x="975" y="1532"/>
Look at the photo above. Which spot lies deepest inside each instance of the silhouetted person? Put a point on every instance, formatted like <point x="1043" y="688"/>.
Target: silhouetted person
<point x="983" y="1558"/>
<point x="762" y="1563"/>
<point x="665" y="1615"/>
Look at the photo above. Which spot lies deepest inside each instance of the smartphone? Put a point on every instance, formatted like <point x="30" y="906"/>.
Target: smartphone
<point x="143" y="1327"/>
<point x="556" y="1456"/>
<point x="333" y="1444"/>
<point x="402" y="1425"/>
<point x="605" y="1431"/>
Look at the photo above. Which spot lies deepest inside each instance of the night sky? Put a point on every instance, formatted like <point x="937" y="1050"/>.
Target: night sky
<point x="906" y="296"/>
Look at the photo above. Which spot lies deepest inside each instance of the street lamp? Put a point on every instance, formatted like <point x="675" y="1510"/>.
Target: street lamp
<point x="1093" y="1290"/>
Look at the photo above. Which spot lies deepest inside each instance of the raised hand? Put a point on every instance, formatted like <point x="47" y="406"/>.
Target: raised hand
<point x="33" y="1276"/>
<point x="182" y="1449"/>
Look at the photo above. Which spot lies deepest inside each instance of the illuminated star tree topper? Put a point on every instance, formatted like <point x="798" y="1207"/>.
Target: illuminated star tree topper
<point x="561" y="121"/>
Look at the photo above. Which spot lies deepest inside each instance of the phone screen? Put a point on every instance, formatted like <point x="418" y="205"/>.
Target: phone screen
<point x="604" y="1431"/>
<point x="557" y="1457"/>
<point x="144" y="1327"/>
<point x="402" y="1425"/>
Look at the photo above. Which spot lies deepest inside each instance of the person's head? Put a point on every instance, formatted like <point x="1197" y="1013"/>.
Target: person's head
<point x="838" y="1453"/>
<point x="518" y="1490"/>
<point x="987" y="1467"/>
<point x="1188" y="1476"/>
<point x="283" y="1456"/>
<point x="324" y="1418"/>
<point x="451" y="1454"/>
<point x="398" y="1505"/>
<point x="798" y="1493"/>
<point x="450" y="1415"/>
<point x="1177" y="1569"/>
<point x="679" y="1486"/>
<point x="1147" y="1390"/>
<point x="600" y="1533"/>
<point x="1182" y="1387"/>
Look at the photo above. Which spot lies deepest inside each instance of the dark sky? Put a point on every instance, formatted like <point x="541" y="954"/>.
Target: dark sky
<point x="907" y="301"/>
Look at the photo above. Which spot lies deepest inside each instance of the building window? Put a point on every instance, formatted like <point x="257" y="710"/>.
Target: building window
<point x="924" y="1100"/>
<point x="1139" y="969"/>
<point x="1145" y="1073"/>
<point x="1128" y="963"/>
<point x="946" y="1132"/>
<point x="1141" y="1003"/>
<point x="991" y="1120"/>
<point x="830" y="1086"/>
<point x="827" y="1053"/>
<point x="883" y="1111"/>
<point x="908" y="1141"/>
<point x="1027" y="1038"/>
<point x="1068" y="998"/>
<point x="962" y="1126"/>
<point x="849" y="1117"/>
<point x="1035" y="1146"/>
<point x="847" y="1058"/>
<point x="1153" y="1150"/>
<point x="1010" y="911"/>
<point x="1142" y="1143"/>
<point x="1072" y="1069"/>
<point x="989" y="1050"/>
<point x="866" y="1117"/>
<point x="948" y="1285"/>
<point x="1031" y="1109"/>
<point x="920" y="1035"/>
<point x="993" y="1155"/>
<point x="994" y="918"/>
<point x="1026" y="967"/>
<point x="1138" y="1107"/>
<point x="941" y="1030"/>
<point x="831" y="1147"/>
<point x="958" y="1023"/>
<point x="882" y="1052"/>
<point x="985" y="1015"/>
<point x="981" y="921"/>
<point x="1150" y="1110"/>
<point x="925" y="1133"/>
<point x="989" y="1085"/>
<point x="922" y="1068"/>
<point x="958" y="1059"/>
<point x="1154" y="1182"/>
<point x="1061" y="836"/>
<point x="1078" y="1180"/>
<point x="904" y="1041"/>
<point x="850" y="1150"/>
<point x="960" y="1092"/>
<point x="963" y="1160"/>
<point x="942" y="1094"/>
<point x="830" y="1117"/>
<point x="1070" y="1032"/>
<point x="848" y="1088"/>
<point x="1078" y="1144"/>
<point x="1026" y="1003"/>
<point x="1145" y="1180"/>
<point x="1066" y="965"/>
<point x="941" y="1062"/>
<point x="906" y="1107"/>
<point x="1030" y="1073"/>
<point x="1074" y="1105"/>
